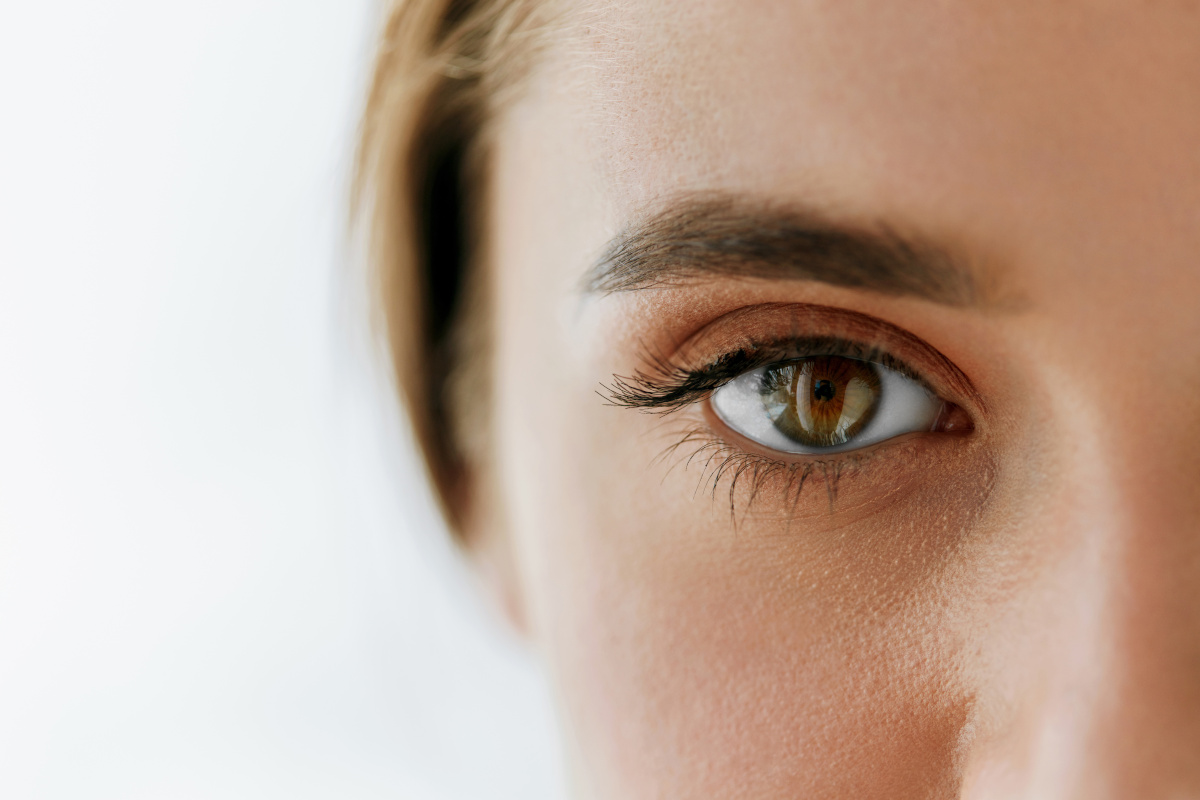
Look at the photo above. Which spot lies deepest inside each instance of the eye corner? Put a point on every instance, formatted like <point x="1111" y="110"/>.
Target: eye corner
<point x="953" y="419"/>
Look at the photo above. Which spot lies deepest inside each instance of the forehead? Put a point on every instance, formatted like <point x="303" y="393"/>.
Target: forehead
<point x="931" y="109"/>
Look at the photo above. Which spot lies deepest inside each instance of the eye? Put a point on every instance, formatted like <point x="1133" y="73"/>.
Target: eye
<point x="825" y="404"/>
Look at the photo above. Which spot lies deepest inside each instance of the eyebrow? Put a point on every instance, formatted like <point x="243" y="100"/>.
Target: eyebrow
<point x="706" y="237"/>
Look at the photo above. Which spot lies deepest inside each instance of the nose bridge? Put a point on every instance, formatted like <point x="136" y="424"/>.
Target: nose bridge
<point x="1104" y="694"/>
<point x="1145" y="510"/>
<point x="1134" y="655"/>
<point x="1146" y="736"/>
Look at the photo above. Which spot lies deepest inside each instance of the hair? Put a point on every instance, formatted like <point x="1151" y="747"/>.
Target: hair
<point x="443" y="70"/>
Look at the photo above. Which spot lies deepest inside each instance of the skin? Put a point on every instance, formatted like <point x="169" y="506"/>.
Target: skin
<point x="1012" y="612"/>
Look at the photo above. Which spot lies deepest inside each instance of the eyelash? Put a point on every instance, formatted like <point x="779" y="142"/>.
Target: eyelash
<point x="720" y="460"/>
<point x="668" y="387"/>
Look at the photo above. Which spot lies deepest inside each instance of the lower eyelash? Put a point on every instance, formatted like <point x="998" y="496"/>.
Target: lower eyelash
<point x="720" y="460"/>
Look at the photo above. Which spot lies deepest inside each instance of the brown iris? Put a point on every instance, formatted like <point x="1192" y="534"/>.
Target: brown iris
<point x="821" y="401"/>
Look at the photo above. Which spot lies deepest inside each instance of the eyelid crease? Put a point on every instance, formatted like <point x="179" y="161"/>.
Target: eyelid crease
<point x="668" y="383"/>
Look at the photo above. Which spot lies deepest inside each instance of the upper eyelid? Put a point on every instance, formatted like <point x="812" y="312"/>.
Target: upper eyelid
<point x="675" y="386"/>
<point x="844" y="348"/>
<point x="917" y="358"/>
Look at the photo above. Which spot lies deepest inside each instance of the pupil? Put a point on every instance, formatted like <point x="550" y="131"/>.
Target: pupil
<point x="824" y="390"/>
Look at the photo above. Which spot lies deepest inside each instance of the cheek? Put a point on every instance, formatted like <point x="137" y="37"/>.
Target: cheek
<point x="694" y="658"/>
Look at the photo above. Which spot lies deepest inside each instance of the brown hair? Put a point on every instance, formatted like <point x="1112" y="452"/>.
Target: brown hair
<point x="443" y="69"/>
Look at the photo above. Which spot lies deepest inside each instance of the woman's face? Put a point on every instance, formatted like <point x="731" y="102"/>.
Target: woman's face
<point x="942" y="536"/>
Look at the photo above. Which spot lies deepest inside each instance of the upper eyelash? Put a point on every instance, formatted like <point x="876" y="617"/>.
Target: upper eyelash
<point x="668" y="386"/>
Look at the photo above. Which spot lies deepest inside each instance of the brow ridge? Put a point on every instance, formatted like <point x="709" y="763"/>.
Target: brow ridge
<point x="713" y="236"/>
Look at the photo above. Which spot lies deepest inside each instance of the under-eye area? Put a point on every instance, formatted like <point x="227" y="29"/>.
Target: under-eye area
<point x="733" y="474"/>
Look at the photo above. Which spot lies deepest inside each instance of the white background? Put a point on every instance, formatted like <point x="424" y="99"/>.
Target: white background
<point x="220" y="576"/>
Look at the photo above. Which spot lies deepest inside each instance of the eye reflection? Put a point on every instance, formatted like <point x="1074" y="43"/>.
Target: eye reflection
<point x="822" y="404"/>
<point x="823" y="401"/>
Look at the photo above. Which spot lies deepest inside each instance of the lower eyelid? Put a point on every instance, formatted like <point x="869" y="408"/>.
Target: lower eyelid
<point x="712" y="426"/>
<point x="731" y="470"/>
